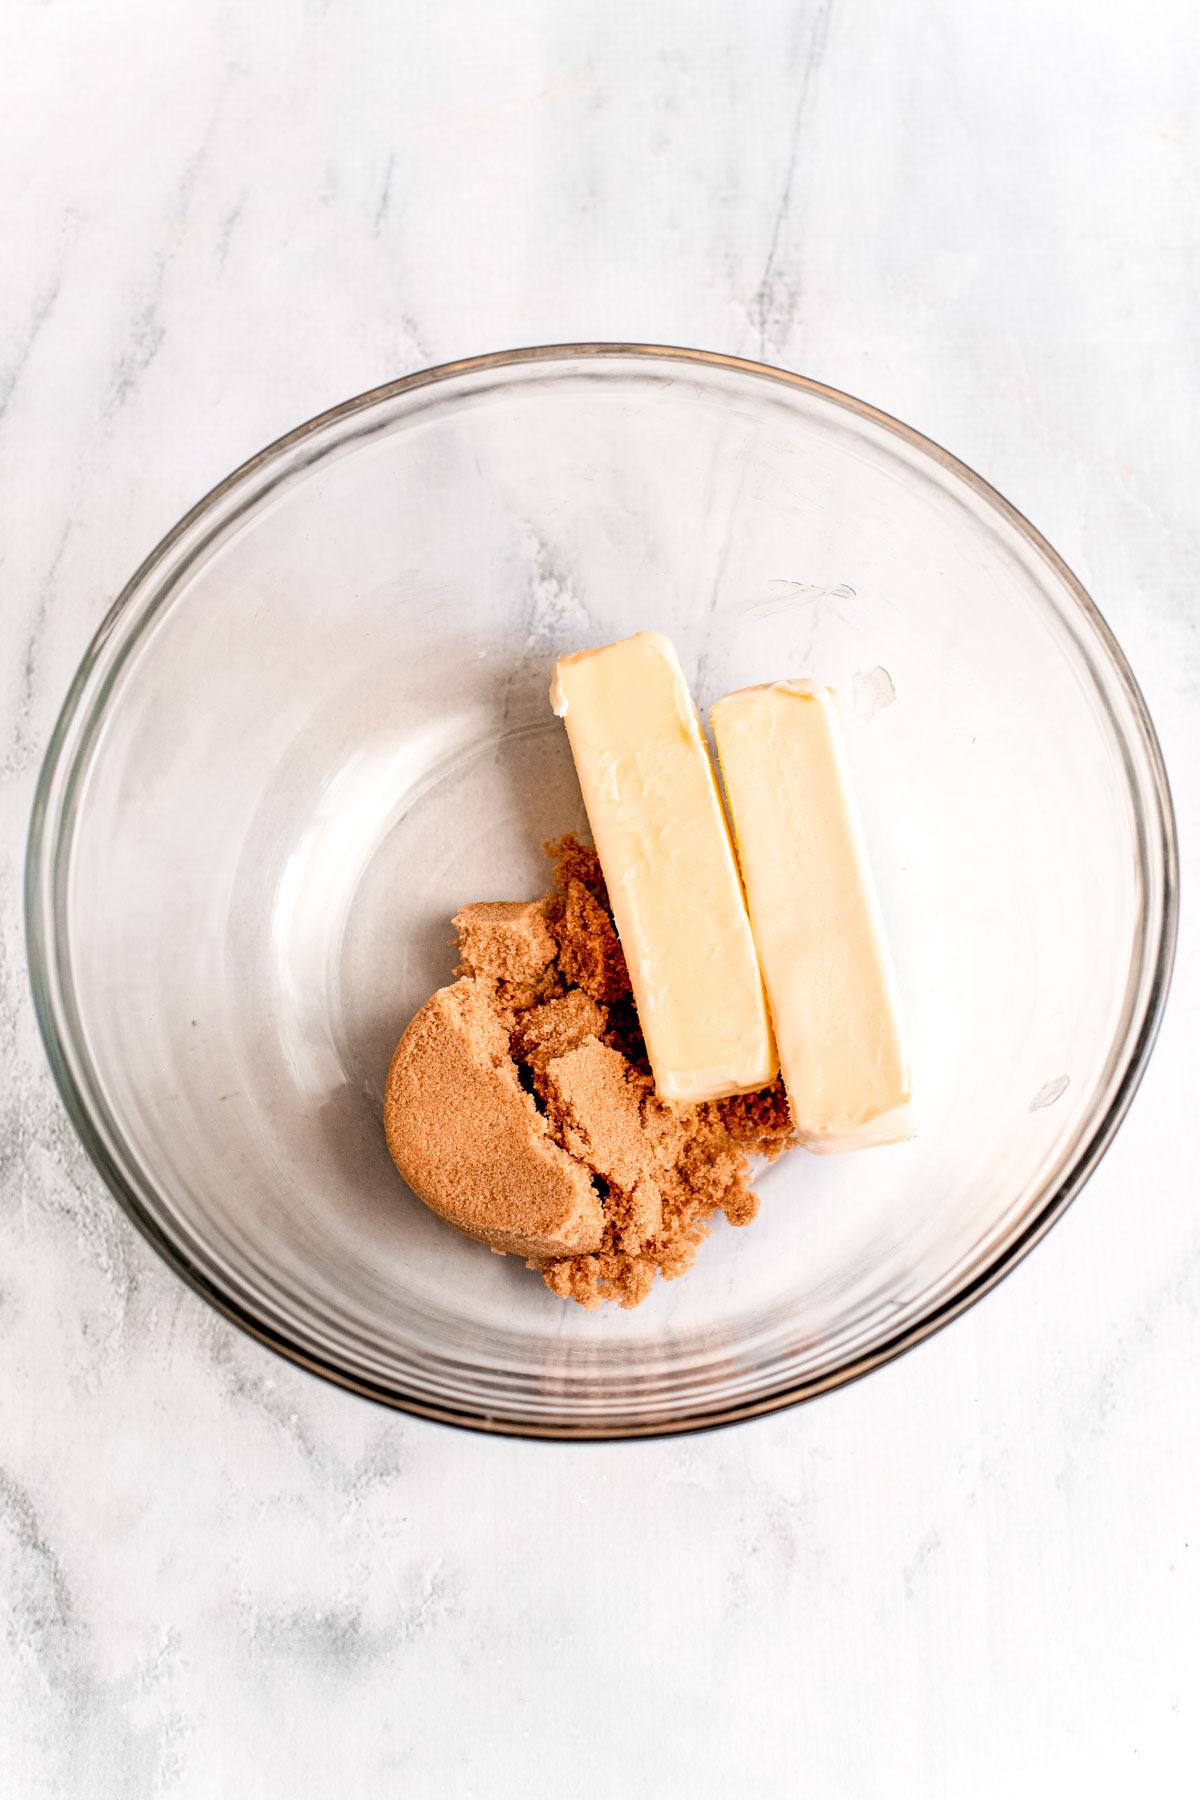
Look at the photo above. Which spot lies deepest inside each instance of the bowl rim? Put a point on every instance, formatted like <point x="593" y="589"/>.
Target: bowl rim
<point x="46" y="944"/>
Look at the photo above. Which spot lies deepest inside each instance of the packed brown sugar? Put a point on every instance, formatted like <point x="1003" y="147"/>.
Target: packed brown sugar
<point x="520" y="1104"/>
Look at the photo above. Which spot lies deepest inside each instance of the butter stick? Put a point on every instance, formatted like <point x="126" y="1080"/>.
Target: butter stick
<point x="815" y="916"/>
<point x="660" y="831"/>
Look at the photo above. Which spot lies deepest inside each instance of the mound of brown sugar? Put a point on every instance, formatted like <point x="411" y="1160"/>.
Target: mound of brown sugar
<point x="520" y="1104"/>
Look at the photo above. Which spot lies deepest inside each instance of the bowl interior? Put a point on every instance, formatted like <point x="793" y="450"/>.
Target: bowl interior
<point x="320" y="724"/>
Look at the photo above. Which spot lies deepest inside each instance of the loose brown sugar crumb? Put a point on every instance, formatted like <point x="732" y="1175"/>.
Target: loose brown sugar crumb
<point x="589" y="952"/>
<point x="543" y="1012"/>
<point x="511" y="943"/>
<point x="606" y="1276"/>
<point x="594" y="1106"/>
<point x="574" y="861"/>
<point x="694" y="1160"/>
<point x="556" y="1027"/>
<point x="761" y="1120"/>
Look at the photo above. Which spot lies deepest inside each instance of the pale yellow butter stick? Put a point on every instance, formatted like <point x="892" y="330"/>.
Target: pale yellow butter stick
<point x="815" y="916"/>
<point x="659" y="828"/>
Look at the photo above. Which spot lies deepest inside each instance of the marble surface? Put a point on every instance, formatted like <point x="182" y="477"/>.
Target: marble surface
<point x="976" y="1572"/>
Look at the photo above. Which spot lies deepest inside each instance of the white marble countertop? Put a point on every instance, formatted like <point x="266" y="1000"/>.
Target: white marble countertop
<point x="978" y="1572"/>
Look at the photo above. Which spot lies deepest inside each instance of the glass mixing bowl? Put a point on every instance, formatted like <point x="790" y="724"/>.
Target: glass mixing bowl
<point x="316" y="722"/>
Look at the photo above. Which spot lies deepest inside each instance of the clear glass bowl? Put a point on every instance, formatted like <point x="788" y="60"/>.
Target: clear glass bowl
<point x="315" y="723"/>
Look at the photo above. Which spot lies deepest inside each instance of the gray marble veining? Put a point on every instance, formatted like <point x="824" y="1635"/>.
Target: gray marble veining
<point x="976" y="1571"/>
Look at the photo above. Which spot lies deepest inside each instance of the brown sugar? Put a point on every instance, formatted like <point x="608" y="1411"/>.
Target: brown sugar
<point x="508" y="941"/>
<point x="521" y="1108"/>
<point x="594" y="1105"/>
<point x="555" y="1027"/>
<point x="469" y="1139"/>
<point x="589" y="952"/>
